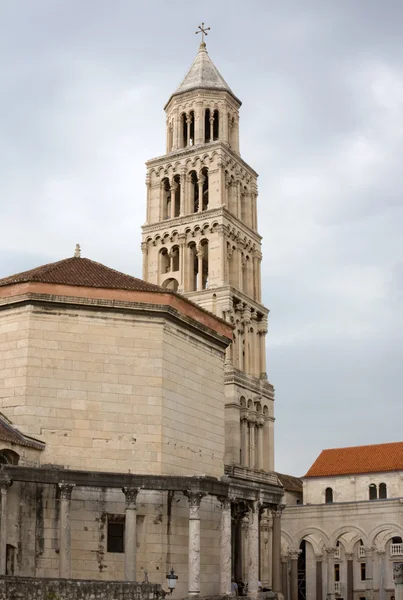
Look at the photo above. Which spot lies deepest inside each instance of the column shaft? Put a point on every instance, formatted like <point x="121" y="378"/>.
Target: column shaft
<point x="3" y="526"/>
<point x="244" y="442"/>
<point x="319" y="580"/>
<point x="225" y="547"/>
<point x="253" y="543"/>
<point x="294" y="578"/>
<point x="252" y="446"/>
<point x="259" y="444"/>
<point x="350" y="578"/>
<point x="276" y="550"/>
<point x="194" y="542"/>
<point x="65" y="531"/>
<point x="284" y="577"/>
<point x="130" y="533"/>
<point x="330" y="573"/>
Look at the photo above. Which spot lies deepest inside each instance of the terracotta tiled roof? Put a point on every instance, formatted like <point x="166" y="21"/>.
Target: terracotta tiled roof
<point x="290" y="483"/>
<point x="376" y="458"/>
<point x="81" y="272"/>
<point x="8" y="433"/>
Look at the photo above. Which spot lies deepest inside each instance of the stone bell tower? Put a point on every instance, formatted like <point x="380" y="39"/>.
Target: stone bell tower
<point x="201" y="239"/>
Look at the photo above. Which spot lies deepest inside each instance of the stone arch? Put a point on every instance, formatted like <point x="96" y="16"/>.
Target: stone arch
<point x="286" y="542"/>
<point x="170" y="284"/>
<point x="242" y="401"/>
<point x="347" y="529"/>
<point x="315" y="536"/>
<point x="9" y="457"/>
<point x="383" y="533"/>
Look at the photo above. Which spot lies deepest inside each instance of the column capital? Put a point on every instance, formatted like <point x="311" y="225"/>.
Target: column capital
<point x="277" y="509"/>
<point x="349" y="555"/>
<point x="226" y="501"/>
<point x="194" y="497"/>
<point x="131" y="494"/>
<point x="5" y="483"/>
<point x="330" y="550"/>
<point x="369" y="551"/>
<point x="318" y="557"/>
<point x="381" y="552"/>
<point x="66" y="490"/>
<point x="294" y="554"/>
<point x="284" y="558"/>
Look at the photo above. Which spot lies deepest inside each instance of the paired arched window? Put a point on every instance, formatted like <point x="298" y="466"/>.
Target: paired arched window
<point x="378" y="492"/>
<point x="328" y="495"/>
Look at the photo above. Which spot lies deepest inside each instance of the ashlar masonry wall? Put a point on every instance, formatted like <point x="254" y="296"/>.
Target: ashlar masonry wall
<point x="112" y="391"/>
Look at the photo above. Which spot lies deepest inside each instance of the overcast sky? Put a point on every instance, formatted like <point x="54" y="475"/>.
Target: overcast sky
<point x="83" y="85"/>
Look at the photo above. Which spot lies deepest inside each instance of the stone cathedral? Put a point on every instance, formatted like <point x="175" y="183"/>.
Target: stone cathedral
<point x="136" y="417"/>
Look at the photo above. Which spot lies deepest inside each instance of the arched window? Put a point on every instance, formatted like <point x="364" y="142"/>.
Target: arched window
<point x="204" y="175"/>
<point x="9" y="457"/>
<point x="373" y="492"/>
<point x="164" y="261"/>
<point x="175" y="258"/>
<point x="165" y="199"/>
<point x="329" y="495"/>
<point x="207" y="137"/>
<point x="216" y="125"/>
<point x="383" y="492"/>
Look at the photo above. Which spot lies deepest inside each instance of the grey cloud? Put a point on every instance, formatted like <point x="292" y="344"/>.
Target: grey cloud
<point x="81" y="110"/>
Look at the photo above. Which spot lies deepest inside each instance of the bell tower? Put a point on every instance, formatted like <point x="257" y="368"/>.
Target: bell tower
<point x="201" y="240"/>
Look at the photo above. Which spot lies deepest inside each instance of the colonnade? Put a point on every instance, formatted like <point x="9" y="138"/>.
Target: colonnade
<point x="202" y="124"/>
<point x="248" y="350"/>
<point x="253" y="511"/>
<point x="290" y="574"/>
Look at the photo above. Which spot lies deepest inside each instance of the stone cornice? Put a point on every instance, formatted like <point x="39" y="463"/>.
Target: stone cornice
<point x="249" y="382"/>
<point x="153" y="304"/>
<point x="200" y="149"/>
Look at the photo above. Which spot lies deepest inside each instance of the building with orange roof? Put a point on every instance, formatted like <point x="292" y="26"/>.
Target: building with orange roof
<point x="345" y="537"/>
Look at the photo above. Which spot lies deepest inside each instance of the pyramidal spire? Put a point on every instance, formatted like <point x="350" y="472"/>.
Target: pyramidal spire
<point x="203" y="74"/>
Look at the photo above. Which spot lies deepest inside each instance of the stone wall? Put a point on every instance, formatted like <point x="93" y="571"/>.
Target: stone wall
<point x="13" y="588"/>
<point x="351" y="488"/>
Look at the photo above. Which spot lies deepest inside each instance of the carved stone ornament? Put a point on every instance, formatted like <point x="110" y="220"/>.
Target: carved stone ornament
<point x="277" y="510"/>
<point x="194" y="498"/>
<point x="131" y="496"/>
<point x="66" y="490"/>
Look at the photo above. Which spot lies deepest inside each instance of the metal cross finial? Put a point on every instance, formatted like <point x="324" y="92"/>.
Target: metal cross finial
<point x="203" y="30"/>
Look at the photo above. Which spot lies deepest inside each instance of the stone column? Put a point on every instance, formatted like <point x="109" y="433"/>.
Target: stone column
<point x="130" y="533"/>
<point x="319" y="576"/>
<point x="369" y="573"/>
<point x="66" y="490"/>
<point x="244" y="438"/>
<point x="225" y="547"/>
<point x="330" y="573"/>
<point x="284" y="576"/>
<point x="144" y="250"/>
<point x="398" y="580"/>
<point x="265" y="527"/>
<point x="183" y="180"/>
<point x="223" y="247"/>
<point x="294" y="576"/>
<point x="174" y="187"/>
<point x="200" y="254"/>
<point x="212" y="128"/>
<point x="380" y="575"/>
<point x="194" y="498"/>
<point x="350" y="575"/>
<point x="252" y="445"/>
<point x="5" y="483"/>
<point x="259" y="442"/>
<point x="188" y="123"/>
<point x="148" y="207"/>
<point x="238" y="550"/>
<point x="276" y="550"/>
<point x="200" y="183"/>
<point x="253" y="539"/>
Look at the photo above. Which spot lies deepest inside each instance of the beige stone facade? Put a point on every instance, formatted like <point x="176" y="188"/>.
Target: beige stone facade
<point x="342" y="540"/>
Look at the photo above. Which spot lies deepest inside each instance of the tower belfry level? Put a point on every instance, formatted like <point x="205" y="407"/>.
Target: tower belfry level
<point x="201" y="239"/>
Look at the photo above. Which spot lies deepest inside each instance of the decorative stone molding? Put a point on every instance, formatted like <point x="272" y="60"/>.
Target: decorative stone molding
<point x="66" y="489"/>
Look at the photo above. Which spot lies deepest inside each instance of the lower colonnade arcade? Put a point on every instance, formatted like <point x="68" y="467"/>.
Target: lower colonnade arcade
<point x="347" y="561"/>
<point x="237" y="504"/>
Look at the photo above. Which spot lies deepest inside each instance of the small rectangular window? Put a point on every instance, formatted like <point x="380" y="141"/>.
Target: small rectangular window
<point x="116" y="534"/>
<point x="363" y="571"/>
<point x="337" y="572"/>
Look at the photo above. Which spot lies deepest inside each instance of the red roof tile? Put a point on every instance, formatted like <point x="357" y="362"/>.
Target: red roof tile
<point x="81" y="272"/>
<point x="354" y="460"/>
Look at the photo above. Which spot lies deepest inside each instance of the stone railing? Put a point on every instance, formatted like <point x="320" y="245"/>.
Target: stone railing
<point x="396" y="549"/>
<point x="74" y="589"/>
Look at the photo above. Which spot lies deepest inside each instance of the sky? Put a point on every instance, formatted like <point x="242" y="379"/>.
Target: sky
<point x="81" y="110"/>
